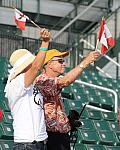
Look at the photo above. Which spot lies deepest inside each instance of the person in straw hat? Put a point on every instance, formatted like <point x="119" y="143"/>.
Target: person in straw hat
<point x="25" y="103"/>
<point x="50" y="86"/>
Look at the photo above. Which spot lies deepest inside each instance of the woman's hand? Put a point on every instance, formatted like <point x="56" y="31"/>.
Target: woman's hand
<point x="45" y="35"/>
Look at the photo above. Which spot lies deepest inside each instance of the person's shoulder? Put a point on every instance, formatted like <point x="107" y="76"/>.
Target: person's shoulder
<point x="18" y="81"/>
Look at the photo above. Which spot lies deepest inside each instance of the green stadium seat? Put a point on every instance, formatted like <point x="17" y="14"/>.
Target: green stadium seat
<point x="94" y="114"/>
<point x="6" y="145"/>
<point x="114" y="126"/>
<point x="7" y="118"/>
<point x="73" y="104"/>
<point x="107" y="103"/>
<point x="87" y="137"/>
<point x="101" y="93"/>
<point x="109" y="116"/>
<point x="79" y="92"/>
<point x="6" y="131"/>
<point x="107" y="138"/>
<point x="94" y="100"/>
<point x="101" y="125"/>
<point x="94" y="147"/>
<point x="4" y="104"/>
<point x="87" y="124"/>
<point x="90" y="91"/>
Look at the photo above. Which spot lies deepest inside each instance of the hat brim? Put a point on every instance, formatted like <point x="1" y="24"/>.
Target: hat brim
<point x="23" y="66"/>
<point x="58" y="54"/>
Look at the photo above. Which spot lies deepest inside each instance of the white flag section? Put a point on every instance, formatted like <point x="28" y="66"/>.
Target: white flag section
<point x="105" y="37"/>
<point x="20" y="19"/>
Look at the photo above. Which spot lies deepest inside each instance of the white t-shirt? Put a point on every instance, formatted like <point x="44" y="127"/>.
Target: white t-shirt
<point x="28" y="117"/>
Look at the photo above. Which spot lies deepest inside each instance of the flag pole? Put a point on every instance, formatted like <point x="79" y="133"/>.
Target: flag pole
<point x="35" y="24"/>
<point x="96" y="44"/>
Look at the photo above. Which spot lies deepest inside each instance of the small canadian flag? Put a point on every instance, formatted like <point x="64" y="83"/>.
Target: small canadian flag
<point x="105" y="37"/>
<point x="20" y="19"/>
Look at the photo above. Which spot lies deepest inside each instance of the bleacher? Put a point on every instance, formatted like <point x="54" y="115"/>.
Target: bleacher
<point x="100" y="130"/>
<point x="6" y="129"/>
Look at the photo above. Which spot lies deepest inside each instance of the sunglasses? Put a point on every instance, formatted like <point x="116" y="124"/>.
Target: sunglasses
<point x="61" y="61"/>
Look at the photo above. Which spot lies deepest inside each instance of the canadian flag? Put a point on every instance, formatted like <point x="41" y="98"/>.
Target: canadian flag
<point x="105" y="37"/>
<point x="20" y="19"/>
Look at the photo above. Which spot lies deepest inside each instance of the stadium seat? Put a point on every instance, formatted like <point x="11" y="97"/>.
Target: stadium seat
<point x="102" y="93"/>
<point x="114" y="126"/>
<point x="4" y="104"/>
<point x="109" y="116"/>
<point x="93" y="114"/>
<point x="101" y="125"/>
<point x="6" y="131"/>
<point x="87" y="137"/>
<point x="107" y="138"/>
<point x="107" y="103"/>
<point x="90" y="91"/>
<point x="94" y="100"/>
<point x="7" y="118"/>
<point x="87" y="124"/>
<point x="6" y="144"/>
<point x="78" y="92"/>
<point x="73" y="104"/>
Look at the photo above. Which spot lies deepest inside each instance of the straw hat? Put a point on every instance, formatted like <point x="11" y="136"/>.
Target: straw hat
<point x="54" y="53"/>
<point x="20" y="59"/>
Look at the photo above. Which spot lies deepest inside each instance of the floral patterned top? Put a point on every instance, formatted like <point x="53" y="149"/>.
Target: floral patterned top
<point x="55" y="116"/>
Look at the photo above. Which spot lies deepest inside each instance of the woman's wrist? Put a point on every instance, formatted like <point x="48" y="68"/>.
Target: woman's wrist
<point x="43" y="48"/>
<point x="45" y="40"/>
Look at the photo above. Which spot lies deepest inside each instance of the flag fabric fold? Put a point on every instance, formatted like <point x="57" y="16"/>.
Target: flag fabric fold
<point x="20" y="19"/>
<point x="105" y="37"/>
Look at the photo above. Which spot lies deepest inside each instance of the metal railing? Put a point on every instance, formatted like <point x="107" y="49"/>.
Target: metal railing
<point x="103" y="89"/>
<point x="74" y="19"/>
<point x="11" y="3"/>
<point x="9" y="43"/>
